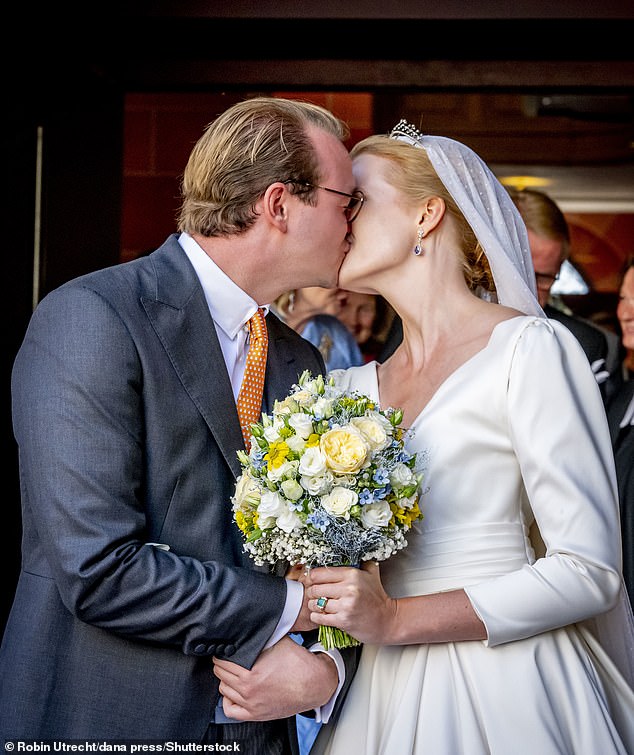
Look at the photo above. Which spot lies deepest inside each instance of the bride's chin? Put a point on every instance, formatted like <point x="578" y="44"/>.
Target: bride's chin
<point x="347" y="278"/>
<point x="354" y="271"/>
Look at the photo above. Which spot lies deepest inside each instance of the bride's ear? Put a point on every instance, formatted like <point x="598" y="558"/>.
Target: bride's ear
<point x="433" y="212"/>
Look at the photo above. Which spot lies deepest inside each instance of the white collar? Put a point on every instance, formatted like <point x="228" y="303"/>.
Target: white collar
<point x="229" y="305"/>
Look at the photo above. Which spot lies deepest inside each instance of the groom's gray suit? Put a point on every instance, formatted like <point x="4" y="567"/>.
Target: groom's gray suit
<point x="128" y="432"/>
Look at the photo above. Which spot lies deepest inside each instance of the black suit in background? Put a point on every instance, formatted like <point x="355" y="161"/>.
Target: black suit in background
<point x="392" y="340"/>
<point x="623" y="444"/>
<point x="593" y="341"/>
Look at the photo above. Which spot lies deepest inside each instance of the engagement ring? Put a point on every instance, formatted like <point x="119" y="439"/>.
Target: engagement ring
<point x="321" y="604"/>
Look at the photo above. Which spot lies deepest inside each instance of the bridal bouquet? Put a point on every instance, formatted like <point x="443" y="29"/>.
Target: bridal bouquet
<point x="327" y="482"/>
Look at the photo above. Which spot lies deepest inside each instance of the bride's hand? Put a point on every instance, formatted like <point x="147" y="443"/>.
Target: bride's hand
<point x="356" y="601"/>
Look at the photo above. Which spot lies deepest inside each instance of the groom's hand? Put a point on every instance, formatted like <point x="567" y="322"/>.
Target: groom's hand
<point x="303" y="623"/>
<point x="286" y="679"/>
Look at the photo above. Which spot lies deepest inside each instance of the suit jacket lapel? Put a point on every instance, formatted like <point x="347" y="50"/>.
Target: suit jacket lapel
<point x="180" y="316"/>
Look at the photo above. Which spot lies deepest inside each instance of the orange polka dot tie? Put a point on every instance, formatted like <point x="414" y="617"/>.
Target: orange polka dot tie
<point x="250" y="397"/>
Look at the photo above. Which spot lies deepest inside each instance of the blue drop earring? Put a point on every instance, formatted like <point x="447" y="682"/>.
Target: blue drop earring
<point x="418" y="249"/>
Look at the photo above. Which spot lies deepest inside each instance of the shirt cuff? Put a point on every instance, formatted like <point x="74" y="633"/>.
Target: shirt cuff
<point x="292" y="607"/>
<point x="322" y="714"/>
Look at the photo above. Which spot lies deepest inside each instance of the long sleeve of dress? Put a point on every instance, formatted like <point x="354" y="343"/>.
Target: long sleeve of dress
<point x="560" y="436"/>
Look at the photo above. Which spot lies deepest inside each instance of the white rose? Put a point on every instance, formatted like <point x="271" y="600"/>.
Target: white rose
<point x="247" y="491"/>
<point x="407" y="502"/>
<point x="381" y="419"/>
<point x="339" y="501"/>
<point x="284" y="407"/>
<point x="292" y="490"/>
<point x="377" y="514"/>
<point x="286" y="470"/>
<point x="313" y="462"/>
<point x="302" y="424"/>
<point x="272" y="432"/>
<point x="317" y="484"/>
<point x="296" y="443"/>
<point x="373" y="431"/>
<point x="289" y="520"/>
<point x="402" y="476"/>
<point x="271" y="506"/>
<point x="322" y="408"/>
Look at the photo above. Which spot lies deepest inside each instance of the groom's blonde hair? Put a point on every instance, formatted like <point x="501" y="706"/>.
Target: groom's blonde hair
<point x="251" y="145"/>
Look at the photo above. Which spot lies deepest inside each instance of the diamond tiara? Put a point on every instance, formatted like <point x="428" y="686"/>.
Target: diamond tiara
<point x="406" y="132"/>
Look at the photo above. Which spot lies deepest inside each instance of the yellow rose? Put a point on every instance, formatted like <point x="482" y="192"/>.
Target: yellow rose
<point x="303" y="398"/>
<point x="345" y="449"/>
<point x="373" y="431"/>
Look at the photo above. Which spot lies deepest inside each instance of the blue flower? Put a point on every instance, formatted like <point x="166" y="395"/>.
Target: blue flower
<point x="381" y="476"/>
<point x="257" y="459"/>
<point x="365" y="497"/>
<point x="319" y="519"/>
<point x="380" y="493"/>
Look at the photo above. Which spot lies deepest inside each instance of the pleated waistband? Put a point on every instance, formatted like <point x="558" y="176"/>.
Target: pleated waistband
<point x="452" y="557"/>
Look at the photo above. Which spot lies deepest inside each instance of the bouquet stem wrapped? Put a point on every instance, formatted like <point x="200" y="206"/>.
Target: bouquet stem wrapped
<point x="327" y="482"/>
<point x="331" y="637"/>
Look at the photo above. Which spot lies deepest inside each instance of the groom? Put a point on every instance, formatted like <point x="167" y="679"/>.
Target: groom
<point x="133" y="574"/>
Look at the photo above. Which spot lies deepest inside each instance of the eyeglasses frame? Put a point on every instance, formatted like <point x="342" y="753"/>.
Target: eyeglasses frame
<point x="359" y="197"/>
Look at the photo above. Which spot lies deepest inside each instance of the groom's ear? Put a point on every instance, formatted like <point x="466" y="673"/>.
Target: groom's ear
<point x="274" y="205"/>
<point x="433" y="213"/>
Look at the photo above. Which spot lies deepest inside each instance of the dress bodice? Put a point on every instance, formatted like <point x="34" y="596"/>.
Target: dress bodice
<point x="498" y="448"/>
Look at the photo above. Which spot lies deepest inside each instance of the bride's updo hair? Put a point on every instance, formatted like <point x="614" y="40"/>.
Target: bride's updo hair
<point x="410" y="171"/>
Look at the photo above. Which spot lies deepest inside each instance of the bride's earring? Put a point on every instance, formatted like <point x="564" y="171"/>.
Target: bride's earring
<point x="418" y="249"/>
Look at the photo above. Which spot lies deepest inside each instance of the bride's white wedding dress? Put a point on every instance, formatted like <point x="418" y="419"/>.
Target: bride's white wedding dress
<point x="516" y="434"/>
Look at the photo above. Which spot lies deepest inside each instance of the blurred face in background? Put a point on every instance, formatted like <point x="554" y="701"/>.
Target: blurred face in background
<point x="358" y="312"/>
<point x="547" y="258"/>
<point x="317" y="300"/>
<point x="625" y="309"/>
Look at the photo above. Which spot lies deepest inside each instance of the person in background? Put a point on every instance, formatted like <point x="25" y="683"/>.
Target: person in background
<point x="549" y="239"/>
<point x="620" y="410"/>
<point x="473" y="641"/>
<point x="314" y="312"/>
<point x="125" y="408"/>
<point x="367" y="317"/>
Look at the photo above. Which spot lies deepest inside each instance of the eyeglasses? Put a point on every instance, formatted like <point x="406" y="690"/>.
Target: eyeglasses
<point x="355" y="203"/>
<point x="546" y="280"/>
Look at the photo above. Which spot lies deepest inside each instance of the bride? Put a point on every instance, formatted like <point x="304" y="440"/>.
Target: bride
<point x="503" y="626"/>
